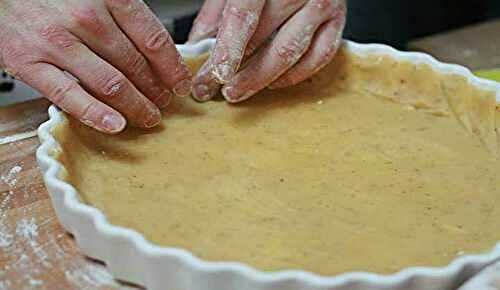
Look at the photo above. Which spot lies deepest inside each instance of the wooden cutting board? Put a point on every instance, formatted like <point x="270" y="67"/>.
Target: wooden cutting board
<point x="35" y="252"/>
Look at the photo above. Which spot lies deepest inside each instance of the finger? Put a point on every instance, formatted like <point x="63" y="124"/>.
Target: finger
<point x="153" y="41"/>
<point x="207" y="22"/>
<point x="274" y="14"/>
<point x="205" y="86"/>
<point x="100" y="78"/>
<point x="113" y="88"/>
<point x="239" y="21"/>
<point x="291" y="42"/>
<point x="99" y="31"/>
<point x="68" y="95"/>
<point x="323" y="48"/>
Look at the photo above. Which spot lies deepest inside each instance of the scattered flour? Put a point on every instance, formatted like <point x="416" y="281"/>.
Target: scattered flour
<point x="34" y="282"/>
<point x="7" y="196"/>
<point x="89" y="275"/>
<point x="6" y="238"/>
<point x="32" y="258"/>
<point x="11" y="177"/>
<point x="21" y="244"/>
<point x="5" y="285"/>
<point x="27" y="230"/>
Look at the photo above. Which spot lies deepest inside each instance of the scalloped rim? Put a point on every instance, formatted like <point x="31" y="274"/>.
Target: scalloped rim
<point x="132" y="258"/>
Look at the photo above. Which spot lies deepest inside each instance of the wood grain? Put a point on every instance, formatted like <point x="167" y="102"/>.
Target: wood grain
<point x="35" y="252"/>
<point x="23" y="117"/>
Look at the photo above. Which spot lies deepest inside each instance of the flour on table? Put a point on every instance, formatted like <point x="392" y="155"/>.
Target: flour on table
<point x="89" y="275"/>
<point x="7" y="196"/>
<point x="27" y="230"/>
<point x="6" y="239"/>
<point x="34" y="282"/>
<point x="4" y="285"/>
<point x="11" y="177"/>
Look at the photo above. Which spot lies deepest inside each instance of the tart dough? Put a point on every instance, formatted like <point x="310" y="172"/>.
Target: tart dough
<point x="372" y="165"/>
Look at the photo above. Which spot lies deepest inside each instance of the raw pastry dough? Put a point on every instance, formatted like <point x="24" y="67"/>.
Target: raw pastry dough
<point x="364" y="167"/>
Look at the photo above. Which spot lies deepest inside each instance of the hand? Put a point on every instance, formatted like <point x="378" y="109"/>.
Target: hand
<point x="281" y="42"/>
<point x="105" y="62"/>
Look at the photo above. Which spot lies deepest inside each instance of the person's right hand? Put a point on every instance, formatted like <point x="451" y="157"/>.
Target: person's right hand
<point x="122" y="63"/>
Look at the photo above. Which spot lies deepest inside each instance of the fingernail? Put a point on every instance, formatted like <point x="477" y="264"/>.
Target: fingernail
<point x="113" y="123"/>
<point x="183" y="88"/>
<point x="231" y="95"/>
<point x="164" y="99"/>
<point x="201" y="92"/>
<point x="153" y="119"/>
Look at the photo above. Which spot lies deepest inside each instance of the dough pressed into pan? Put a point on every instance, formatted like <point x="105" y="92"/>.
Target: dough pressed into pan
<point x="372" y="165"/>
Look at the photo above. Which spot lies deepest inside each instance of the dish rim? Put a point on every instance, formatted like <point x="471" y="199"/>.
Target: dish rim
<point x="52" y="169"/>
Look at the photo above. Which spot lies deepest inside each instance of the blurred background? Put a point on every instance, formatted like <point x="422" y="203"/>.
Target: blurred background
<point x="394" y="22"/>
<point x="397" y="22"/>
<point x="402" y="24"/>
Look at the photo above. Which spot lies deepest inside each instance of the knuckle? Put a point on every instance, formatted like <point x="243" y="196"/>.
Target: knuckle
<point x="89" y="20"/>
<point x="10" y="56"/>
<point x="133" y="9"/>
<point x="58" y="36"/>
<point x="112" y="86"/>
<point x="290" y="53"/>
<point x="59" y="91"/>
<point x="247" y="16"/>
<point x="286" y="53"/>
<point x="291" y="50"/>
<point x="88" y="112"/>
<point x="135" y="63"/>
<point x="158" y="39"/>
<point x="16" y="60"/>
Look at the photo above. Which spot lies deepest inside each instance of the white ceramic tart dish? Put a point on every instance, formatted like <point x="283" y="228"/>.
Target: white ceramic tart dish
<point x="130" y="257"/>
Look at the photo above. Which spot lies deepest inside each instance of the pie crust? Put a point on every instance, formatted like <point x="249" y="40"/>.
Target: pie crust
<point x="477" y="115"/>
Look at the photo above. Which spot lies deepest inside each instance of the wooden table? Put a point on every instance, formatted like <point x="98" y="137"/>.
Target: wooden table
<point x="476" y="47"/>
<point x="35" y="252"/>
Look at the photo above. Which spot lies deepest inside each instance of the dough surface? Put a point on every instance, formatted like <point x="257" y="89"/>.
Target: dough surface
<point x="372" y="165"/>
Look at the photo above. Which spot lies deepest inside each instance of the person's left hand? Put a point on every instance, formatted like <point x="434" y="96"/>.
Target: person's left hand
<point x="280" y="42"/>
